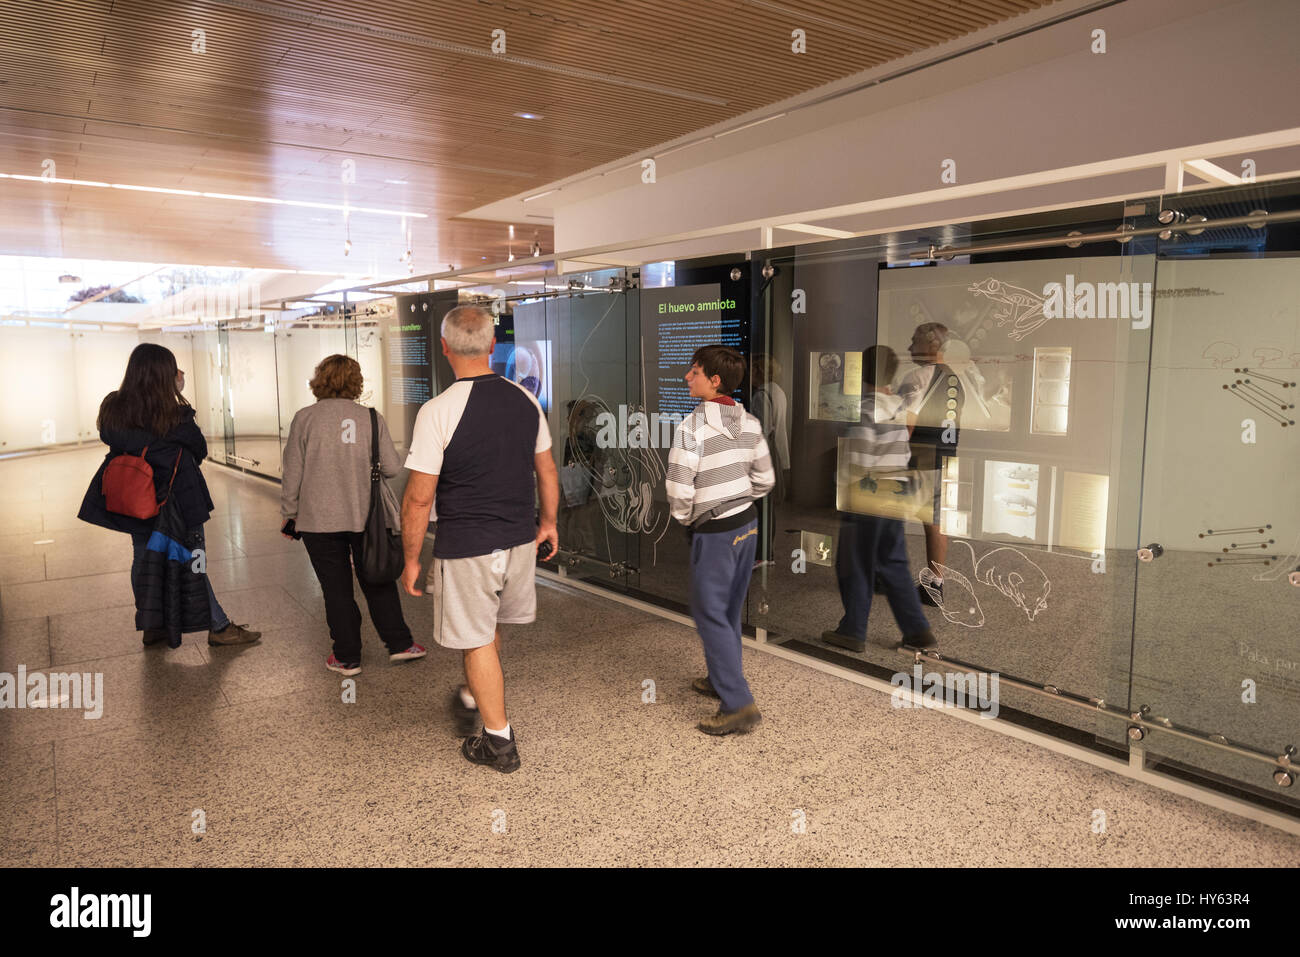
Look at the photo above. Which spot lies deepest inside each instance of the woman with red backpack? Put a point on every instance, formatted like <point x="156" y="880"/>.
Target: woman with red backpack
<point x="150" y="487"/>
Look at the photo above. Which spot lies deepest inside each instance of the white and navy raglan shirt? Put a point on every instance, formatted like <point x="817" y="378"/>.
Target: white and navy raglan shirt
<point x="479" y="437"/>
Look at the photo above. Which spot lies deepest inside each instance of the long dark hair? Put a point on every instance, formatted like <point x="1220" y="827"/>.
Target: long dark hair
<point x="148" y="398"/>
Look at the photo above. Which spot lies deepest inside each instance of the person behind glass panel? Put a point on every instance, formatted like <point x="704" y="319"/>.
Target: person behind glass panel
<point x="933" y="396"/>
<point x="772" y="409"/>
<point x="876" y="489"/>
<point x="580" y="515"/>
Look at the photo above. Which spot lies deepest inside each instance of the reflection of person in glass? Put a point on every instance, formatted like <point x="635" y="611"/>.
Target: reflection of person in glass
<point x="771" y="406"/>
<point x="933" y="395"/>
<point x="579" y="508"/>
<point x="871" y="547"/>
<point x="526" y="368"/>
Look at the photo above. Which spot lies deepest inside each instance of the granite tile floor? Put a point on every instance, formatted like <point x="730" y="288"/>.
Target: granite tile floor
<point x="258" y="745"/>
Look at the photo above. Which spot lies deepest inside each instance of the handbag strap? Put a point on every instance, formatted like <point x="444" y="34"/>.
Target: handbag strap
<point x="376" y="473"/>
<point x="172" y="479"/>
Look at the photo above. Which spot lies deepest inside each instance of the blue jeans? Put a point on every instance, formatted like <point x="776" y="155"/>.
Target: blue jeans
<point x="138" y="542"/>
<point x="721" y="566"/>
<point x="873" y="548"/>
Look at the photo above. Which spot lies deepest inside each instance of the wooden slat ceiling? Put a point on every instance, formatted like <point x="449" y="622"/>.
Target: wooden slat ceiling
<point x="111" y="91"/>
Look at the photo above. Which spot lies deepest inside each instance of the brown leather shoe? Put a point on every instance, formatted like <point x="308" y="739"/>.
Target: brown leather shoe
<point x="732" y="722"/>
<point x="234" y="634"/>
<point x="704" y="686"/>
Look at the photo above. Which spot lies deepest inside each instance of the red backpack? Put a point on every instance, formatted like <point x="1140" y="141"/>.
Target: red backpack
<point x="128" y="485"/>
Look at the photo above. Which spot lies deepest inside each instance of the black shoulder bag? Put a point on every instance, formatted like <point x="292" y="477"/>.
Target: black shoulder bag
<point x="381" y="549"/>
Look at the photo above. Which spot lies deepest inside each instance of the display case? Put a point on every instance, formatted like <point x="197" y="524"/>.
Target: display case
<point x="1011" y="499"/>
<point x="835" y="386"/>
<point x="1051" y="404"/>
<point x="956" y="495"/>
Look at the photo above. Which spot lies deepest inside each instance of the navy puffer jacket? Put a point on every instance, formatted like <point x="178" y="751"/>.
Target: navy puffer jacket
<point x="189" y="491"/>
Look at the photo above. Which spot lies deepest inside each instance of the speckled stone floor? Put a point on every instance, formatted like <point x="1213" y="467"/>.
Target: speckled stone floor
<point x="258" y="743"/>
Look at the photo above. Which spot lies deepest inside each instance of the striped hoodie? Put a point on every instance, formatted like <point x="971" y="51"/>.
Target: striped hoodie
<point x="878" y="446"/>
<point x="718" y="465"/>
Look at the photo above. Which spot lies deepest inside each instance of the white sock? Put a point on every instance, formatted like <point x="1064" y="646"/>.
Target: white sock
<point x="467" y="699"/>
<point x="500" y="734"/>
<point x="937" y="581"/>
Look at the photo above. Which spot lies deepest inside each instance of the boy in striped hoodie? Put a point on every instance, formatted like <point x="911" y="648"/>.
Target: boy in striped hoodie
<point x="719" y="464"/>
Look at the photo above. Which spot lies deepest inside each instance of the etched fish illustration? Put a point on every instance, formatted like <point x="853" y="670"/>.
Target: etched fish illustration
<point x="1010" y="572"/>
<point x="1017" y="304"/>
<point x="961" y="606"/>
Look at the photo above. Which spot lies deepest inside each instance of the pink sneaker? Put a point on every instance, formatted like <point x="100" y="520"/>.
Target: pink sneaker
<point x="343" y="667"/>
<point x="415" y="651"/>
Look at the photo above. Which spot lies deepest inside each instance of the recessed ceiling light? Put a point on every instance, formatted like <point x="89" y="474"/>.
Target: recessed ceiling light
<point x="237" y="197"/>
<point x="529" y="116"/>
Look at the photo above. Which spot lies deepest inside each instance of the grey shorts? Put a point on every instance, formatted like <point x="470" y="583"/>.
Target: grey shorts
<point x="472" y="596"/>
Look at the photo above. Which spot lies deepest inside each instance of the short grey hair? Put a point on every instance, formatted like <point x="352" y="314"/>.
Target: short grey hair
<point x="469" y="330"/>
<point x="937" y="332"/>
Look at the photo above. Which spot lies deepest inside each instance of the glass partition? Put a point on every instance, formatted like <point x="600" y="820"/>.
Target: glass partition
<point x="251" y="399"/>
<point x="962" y="399"/>
<point x="300" y="344"/>
<point x="571" y="341"/>
<point x="1216" y="640"/>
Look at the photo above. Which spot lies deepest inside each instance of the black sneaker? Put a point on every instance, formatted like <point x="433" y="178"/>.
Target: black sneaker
<point x="466" y="718"/>
<point x="926" y="598"/>
<point x="922" y="641"/>
<point x="483" y="748"/>
<point x="844" y="641"/>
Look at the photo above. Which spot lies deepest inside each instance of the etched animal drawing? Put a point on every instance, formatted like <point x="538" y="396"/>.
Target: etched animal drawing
<point x="1004" y="568"/>
<point x="961" y="606"/>
<point x="1018" y="305"/>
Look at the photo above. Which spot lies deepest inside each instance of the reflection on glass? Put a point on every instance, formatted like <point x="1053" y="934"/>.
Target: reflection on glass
<point x="1051" y="390"/>
<point x="252" y="401"/>
<point x="1084" y="502"/>
<point x="1011" y="499"/>
<point x="834" y="385"/>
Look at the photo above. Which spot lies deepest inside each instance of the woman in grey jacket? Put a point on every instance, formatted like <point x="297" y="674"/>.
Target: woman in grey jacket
<point x="324" y="499"/>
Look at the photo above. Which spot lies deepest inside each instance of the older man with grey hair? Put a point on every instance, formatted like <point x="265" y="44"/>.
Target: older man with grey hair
<point x="478" y="445"/>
